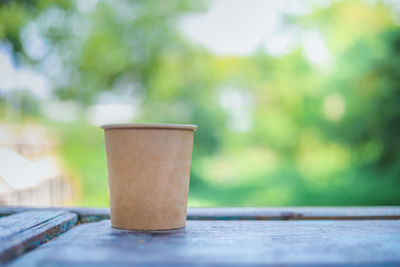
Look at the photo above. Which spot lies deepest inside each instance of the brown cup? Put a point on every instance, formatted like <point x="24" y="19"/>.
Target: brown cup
<point x="148" y="174"/>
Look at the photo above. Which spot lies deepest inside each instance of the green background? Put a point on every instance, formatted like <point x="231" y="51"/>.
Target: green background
<point x="299" y="134"/>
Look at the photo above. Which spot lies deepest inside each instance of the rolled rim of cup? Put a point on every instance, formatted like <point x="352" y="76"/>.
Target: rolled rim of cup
<point x="190" y="127"/>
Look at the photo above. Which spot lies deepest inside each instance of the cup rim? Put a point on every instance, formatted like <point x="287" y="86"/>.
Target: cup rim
<point x="149" y="126"/>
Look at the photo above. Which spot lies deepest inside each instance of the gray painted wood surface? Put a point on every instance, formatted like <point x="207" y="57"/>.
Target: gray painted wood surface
<point x="28" y="229"/>
<point x="295" y="213"/>
<point x="228" y="243"/>
<point x="247" y="213"/>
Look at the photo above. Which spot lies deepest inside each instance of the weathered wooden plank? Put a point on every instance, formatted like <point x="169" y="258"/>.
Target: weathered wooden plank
<point x="225" y="243"/>
<point x="270" y="213"/>
<point x="7" y="210"/>
<point x="295" y="213"/>
<point x="25" y="230"/>
<point x="19" y="222"/>
<point x="84" y="214"/>
<point x="248" y="213"/>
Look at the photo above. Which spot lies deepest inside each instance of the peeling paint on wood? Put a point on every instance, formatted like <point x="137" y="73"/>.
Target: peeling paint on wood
<point x="228" y="243"/>
<point x="23" y="231"/>
<point x="213" y="236"/>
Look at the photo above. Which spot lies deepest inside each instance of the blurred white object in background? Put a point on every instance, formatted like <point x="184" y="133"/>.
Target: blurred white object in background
<point x="18" y="172"/>
<point x="29" y="173"/>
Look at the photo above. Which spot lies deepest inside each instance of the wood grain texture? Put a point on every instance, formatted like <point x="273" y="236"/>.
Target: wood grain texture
<point x="84" y="214"/>
<point x="227" y="243"/>
<point x="25" y="230"/>
<point x="295" y="213"/>
<point x="247" y="213"/>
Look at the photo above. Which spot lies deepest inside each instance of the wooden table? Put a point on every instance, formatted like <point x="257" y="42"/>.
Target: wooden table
<point x="213" y="236"/>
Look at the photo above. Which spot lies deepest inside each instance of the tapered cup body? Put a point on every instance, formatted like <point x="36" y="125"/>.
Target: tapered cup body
<point x="148" y="174"/>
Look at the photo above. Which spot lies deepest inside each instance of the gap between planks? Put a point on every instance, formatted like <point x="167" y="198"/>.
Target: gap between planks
<point x="246" y="213"/>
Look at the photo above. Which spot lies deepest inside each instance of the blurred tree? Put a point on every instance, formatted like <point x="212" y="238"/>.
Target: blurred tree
<point x="273" y="130"/>
<point x="16" y="14"/>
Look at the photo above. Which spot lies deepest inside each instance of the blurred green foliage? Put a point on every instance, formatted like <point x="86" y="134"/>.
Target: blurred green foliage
<point x="272" y="130"/>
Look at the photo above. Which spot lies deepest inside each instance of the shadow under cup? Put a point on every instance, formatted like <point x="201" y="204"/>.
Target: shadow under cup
<point x="148" y="174"/>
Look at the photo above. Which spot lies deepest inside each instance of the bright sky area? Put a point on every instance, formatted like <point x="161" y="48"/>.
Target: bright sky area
<point x="228" y="27"/>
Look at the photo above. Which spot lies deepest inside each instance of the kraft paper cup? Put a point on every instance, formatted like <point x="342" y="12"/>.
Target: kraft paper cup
<point x="148" y="174"/>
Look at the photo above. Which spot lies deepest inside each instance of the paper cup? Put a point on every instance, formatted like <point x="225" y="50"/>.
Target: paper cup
<point x="148" y="174"/>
